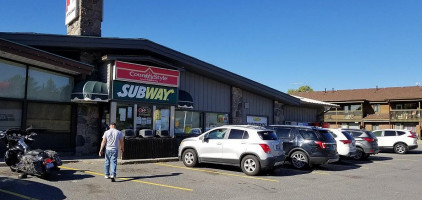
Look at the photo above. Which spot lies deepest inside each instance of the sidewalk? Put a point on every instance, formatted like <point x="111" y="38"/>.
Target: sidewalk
<point x="94" y="159"/>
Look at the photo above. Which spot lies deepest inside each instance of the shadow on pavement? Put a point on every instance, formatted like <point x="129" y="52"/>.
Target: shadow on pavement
<point x="11" y="189"/>
<point x="68" y="175"/>
<point x="131" y="178"/>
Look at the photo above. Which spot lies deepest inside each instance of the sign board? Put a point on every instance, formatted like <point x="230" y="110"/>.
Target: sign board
<point x="72" y="10"/>
<point x="144" y="93"/>
<point x="255" y="120"/>
<point x="146" y="74"/>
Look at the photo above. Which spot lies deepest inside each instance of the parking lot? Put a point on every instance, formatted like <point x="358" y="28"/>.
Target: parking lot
<point x="383" y="176"/>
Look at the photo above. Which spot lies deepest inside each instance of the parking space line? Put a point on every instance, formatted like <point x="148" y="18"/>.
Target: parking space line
<point x="215" y="172"/>
<point x="16" y="194"/>
<point x="128" y="179"/>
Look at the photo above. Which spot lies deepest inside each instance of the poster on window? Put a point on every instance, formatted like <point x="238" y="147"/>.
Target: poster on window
<point x="257" y="121"/>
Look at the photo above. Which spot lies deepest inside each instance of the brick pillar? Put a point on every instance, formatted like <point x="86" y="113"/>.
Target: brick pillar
<point x="237" y="106"/>
<point x="278" y="113"/>
<point x="89" y="21"/>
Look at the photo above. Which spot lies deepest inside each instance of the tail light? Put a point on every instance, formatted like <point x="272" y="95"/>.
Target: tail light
<point x="370" y="140"/>
<point x="47" y="160"/>
<point x="412" y="135"/>
<point x="321" y="144"/>
<point x="266" y="148"/>
<point x="346" y="141"/>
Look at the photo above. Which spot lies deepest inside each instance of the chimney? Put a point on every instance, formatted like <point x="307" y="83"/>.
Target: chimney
<point x="84" y="17"/>
<point x="333" y="90"/>
<point x="325" y="91"/>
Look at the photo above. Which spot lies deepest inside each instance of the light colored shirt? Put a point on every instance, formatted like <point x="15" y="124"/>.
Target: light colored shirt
<point x="112" y="137"/>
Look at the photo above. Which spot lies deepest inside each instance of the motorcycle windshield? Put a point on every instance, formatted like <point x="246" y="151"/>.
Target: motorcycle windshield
<point x="23" y="144"/>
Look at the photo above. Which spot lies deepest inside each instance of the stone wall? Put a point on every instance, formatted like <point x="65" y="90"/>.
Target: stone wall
<point x="237" y="106"/>
<point x="88" y="134"/>
<point x="278" y="113"/>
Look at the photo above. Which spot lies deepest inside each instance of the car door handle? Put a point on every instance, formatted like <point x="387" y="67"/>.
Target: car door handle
<point x="243" y="143"/>
<point x="219" y="143"/>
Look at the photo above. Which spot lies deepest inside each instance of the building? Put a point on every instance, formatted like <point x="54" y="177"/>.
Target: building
<point x="70" y="87"/>
<point x="373" y="108"/>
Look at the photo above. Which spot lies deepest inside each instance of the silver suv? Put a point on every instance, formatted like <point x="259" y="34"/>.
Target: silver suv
<point x="253" y="148"/>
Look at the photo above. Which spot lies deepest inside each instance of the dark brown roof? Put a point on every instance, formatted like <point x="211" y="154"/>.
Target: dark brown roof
<point x="371" y="94"/>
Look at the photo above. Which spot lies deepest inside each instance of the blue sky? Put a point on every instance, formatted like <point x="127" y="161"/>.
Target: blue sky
<point x="340" y="44"/>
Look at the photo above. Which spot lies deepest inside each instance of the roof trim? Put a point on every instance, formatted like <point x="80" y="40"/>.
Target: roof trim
<point x="188" y="62"/>
<point x="16" y="51"/>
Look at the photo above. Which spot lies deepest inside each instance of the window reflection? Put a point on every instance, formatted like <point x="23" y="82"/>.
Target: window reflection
<point x="51" y="86"/>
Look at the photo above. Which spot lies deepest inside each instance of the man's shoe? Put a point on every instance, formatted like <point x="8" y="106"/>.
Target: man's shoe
<point x="112" y="179"/>
<point x="107" y="177"/>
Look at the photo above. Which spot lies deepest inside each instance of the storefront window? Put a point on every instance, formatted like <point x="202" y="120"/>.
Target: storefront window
<point x="10" y="114"/>
<point x="124" y="118"/>
<point x="50" y="86"/>
<point x="187" y="122"/>
<point x="143" y="117"/>
<point x="52" y="117"/>
<point x="213" y="120"/>
<point x="162" y="118"/>
<point x="12" y="79"/>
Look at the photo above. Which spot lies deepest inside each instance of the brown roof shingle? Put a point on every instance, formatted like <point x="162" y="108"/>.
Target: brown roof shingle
<point x="371" y="94"/>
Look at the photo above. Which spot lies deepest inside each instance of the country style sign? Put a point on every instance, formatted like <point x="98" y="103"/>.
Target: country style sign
<point x="146" y="74"/>
<point x="144" y="93"/>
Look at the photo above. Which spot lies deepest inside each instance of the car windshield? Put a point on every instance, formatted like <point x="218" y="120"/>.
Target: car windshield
<point x="267" y="135"/>
<point x="326" y="135"/>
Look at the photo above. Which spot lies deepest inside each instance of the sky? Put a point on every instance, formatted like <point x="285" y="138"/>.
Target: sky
<point x="284" y="44"/>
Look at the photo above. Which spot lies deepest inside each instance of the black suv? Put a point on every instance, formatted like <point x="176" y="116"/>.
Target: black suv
<point x="306" y="146"/>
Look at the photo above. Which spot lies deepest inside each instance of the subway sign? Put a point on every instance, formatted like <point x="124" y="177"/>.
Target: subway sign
<point x="144" y="93"/>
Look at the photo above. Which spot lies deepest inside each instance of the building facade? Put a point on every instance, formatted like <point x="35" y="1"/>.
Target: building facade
<point x="374" y="108"/>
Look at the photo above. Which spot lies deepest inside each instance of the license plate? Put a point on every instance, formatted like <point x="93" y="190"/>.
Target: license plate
<point x="277" y="147"/>
<point x="49" y="165"/>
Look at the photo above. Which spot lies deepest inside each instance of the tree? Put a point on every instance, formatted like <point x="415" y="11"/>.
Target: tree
<point x="304" y="88"/>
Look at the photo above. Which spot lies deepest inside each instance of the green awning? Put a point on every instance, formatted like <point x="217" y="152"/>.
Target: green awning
<point x="90" y="91"/>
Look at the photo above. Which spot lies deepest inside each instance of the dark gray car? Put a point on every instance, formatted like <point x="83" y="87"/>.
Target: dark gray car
<point x="366" y="143"/>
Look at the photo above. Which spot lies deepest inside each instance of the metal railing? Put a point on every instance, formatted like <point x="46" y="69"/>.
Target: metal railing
<point x="352" y="116"/>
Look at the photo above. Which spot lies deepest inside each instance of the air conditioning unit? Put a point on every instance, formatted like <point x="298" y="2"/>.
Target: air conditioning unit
<point x="128" y="133"/>
<point x="162" y="133"/>
<point x="146" y="133"/>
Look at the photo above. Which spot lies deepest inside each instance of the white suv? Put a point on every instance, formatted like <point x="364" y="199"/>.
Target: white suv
<point x="346" y="144"/>
<point x="399" y="140"/>
<point x="253" y="148"/>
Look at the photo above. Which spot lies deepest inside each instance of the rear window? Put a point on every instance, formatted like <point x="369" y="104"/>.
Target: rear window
<point x="267" y="135"/>
<point x="283" y="132"/>
<point x="370" y="134"/>
<point x="326" y="135"/>
<point x="401" y="132"/>
<point x="347" y="134"/>
<point x="308" y="134"/>
<point x="358" y="134"/>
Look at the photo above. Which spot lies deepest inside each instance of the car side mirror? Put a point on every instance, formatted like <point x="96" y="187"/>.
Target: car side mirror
<point x="206" y="137"/>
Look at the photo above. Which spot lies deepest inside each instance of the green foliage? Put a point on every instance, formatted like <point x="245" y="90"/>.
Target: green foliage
<point x="304" y="88"/>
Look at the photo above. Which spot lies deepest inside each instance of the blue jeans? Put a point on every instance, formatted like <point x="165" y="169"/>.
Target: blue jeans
<point x="110" y="162"/>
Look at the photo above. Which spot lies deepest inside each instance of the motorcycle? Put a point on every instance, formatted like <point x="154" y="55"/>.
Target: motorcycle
<point x="22" y="159"/>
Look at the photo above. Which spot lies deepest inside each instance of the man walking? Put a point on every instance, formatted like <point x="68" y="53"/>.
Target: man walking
<point x="111" y="140"/>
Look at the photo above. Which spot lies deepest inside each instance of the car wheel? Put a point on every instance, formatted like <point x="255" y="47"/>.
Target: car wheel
<point x="299" y="160"/>
<point x="189" y="158"/>
<point x="400" y="148"/>
<point x="360" y="154"/>
<point x="250" y="165"/>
